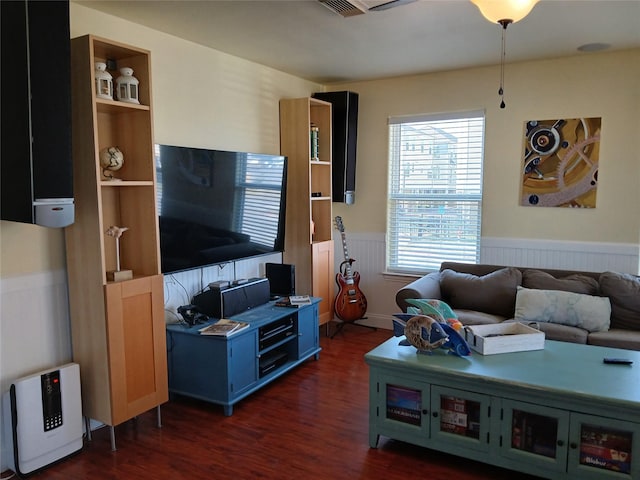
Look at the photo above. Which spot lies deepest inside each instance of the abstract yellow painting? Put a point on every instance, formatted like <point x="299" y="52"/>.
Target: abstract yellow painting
<point x="560" y="163"/>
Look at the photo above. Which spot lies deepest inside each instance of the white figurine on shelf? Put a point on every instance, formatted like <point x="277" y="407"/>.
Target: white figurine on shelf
<point x="118" y="274"/>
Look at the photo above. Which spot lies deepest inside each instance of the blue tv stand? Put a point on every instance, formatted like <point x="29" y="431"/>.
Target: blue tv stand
<point x="224" y="370"/>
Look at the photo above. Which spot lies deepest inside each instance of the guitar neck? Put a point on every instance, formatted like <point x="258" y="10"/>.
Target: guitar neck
<point x="349" y="274"/>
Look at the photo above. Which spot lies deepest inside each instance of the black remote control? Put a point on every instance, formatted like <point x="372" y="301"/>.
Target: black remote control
<point x="618" y="361"/>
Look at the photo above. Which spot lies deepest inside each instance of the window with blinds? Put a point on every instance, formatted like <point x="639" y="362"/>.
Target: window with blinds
<point x="435" y="190"/>
<point x="259" y="185"/>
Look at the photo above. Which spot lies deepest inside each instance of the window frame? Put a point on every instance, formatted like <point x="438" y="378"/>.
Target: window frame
<point x="450" y="204"/>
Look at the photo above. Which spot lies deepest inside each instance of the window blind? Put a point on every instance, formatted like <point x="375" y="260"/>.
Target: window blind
<point x="261" y="192"/>
<point x="435" y="190"/>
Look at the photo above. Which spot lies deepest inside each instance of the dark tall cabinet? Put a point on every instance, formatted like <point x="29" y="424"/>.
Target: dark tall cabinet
<point x="37" y="182"/>
<point x="344" y="120"/>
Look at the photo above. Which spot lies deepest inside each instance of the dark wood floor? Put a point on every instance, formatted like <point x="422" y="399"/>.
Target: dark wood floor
<point x="311" y="423"/>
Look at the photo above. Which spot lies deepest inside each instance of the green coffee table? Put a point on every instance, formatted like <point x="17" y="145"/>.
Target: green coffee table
<point x="559" y="412"/>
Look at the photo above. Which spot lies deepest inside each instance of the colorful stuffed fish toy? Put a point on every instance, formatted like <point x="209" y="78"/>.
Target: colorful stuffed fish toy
<point x="437" y="309"/>
<point x="421" y="331"/>
<point x="447" y="320"/>
<point x="456" y="344"/>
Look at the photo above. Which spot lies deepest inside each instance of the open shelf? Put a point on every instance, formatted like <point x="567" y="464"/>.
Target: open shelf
<point x="309" y="223"/>
<point x="118" y="326"/>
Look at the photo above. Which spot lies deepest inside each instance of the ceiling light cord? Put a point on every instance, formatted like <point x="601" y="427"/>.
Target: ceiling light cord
<point x="504" y="12"/>
<point x="505" y="23"/>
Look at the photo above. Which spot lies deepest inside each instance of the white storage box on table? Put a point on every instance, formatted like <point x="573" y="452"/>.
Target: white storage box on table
<point x="503" y="338"/>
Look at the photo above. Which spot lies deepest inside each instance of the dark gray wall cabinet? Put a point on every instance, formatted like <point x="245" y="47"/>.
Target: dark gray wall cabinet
<point x="36" y="176"/>
<point x="344" y="121"/>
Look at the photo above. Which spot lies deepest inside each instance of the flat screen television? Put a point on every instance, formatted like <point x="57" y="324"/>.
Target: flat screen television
<point x="217" y="206"/>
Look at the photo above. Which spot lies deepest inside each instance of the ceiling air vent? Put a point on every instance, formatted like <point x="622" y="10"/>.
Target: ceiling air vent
<point x="344" y="7"/>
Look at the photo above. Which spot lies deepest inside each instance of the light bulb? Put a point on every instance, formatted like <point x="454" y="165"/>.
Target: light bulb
<point x="499" y="10"/>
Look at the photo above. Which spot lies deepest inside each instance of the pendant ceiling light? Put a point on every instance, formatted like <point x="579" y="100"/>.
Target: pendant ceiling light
<point x="504" y="13"/>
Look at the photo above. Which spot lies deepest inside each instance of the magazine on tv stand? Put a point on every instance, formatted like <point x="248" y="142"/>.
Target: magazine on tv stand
<point x="300" y="300"/>
<point x="294" y="301"/>
<point x="223" y="327"/>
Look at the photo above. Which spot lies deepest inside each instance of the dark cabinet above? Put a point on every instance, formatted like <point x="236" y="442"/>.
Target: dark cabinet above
<point x="344" y="120"/>
<point x="37" y="181"/>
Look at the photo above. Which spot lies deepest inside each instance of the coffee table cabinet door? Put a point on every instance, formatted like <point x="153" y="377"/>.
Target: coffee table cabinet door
<point x="400" y="409"/>
<point x="535" y="435"/>
<point x="602" y="448"/>
<point x="460" y="419"/>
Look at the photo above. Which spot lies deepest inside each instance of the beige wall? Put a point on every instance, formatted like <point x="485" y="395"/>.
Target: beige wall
<point x="202" y="98"/>
<point x="26" y="249"/>
<point x="597" y="85"/>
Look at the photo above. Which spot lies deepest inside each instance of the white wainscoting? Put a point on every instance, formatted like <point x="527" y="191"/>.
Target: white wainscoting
<point x="564" y="255"/>
<point x="180" y="287"/>
<point x="368" y="250"/>
<point x="35" y="331"/>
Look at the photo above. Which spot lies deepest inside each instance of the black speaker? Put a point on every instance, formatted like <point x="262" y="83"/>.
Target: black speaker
<point x="282" y="278"/>
<point x="223" y="303"/>
<point x="37" y="167"/>
<point x="344" y="121"/>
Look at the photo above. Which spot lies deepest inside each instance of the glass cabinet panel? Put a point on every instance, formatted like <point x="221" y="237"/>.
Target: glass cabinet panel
<point x="535" y="434"/>
<point x="403" y="409"/>
<point x="404" y="404"/>
<point x="460" y="418"/>
<point x="603" y="448"/>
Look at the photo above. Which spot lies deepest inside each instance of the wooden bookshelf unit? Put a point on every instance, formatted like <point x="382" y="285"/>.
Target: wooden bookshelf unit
<point x="117" y="327"/>
<point x="309" y="224"/>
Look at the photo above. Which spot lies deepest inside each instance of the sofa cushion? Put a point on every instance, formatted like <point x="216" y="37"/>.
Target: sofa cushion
<point x="575" y="283"/>
<point x="623" y="290"/>
<point x="472" y="317"/>
<point x="423" y="287"/>
<point x="567" y="308"/>
<point x="616" y="338"/>
<point x="493" y="293"/>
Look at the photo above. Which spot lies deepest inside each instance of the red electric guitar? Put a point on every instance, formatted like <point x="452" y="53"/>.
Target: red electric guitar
<point x="350" y="304"/>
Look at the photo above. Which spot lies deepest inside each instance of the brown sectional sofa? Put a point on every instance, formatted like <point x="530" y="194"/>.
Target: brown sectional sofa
<point x="484" y="294"/>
